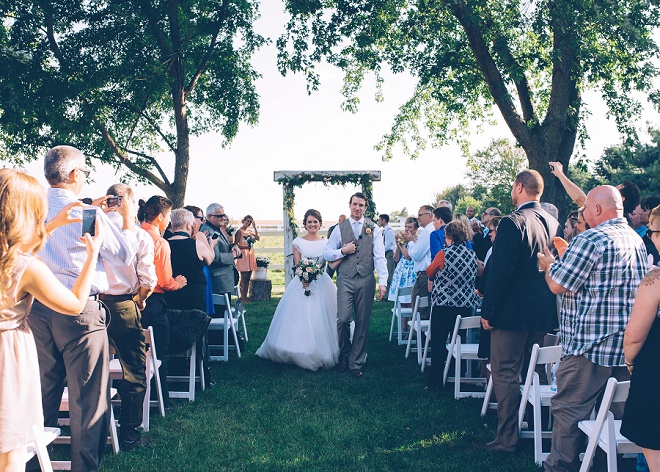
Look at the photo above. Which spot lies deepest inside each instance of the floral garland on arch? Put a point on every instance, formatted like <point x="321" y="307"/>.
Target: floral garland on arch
<point x="291" y="182"/>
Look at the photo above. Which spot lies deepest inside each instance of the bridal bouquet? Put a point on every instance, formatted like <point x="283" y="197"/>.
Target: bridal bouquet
<point x="308" y="270"/>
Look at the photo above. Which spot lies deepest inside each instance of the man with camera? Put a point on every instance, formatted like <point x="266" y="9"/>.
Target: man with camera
<point x="74" y="349"/>
<point x="130" y="285"/>
<point x="222" y="267"/>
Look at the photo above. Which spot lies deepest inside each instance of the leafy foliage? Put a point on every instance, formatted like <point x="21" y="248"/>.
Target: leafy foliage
<point x="530" y="59"/>
<point x="125" y="81"/>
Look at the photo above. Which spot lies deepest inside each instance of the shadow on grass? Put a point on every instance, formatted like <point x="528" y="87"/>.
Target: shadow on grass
<point x="265" y="416"/>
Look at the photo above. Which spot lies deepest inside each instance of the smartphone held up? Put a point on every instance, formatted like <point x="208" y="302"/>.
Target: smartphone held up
<point x="89" y="221"/>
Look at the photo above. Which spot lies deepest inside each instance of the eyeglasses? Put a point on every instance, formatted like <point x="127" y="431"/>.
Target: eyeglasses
<point x="85" y="172"/>
<point x="221" y="215"/>
<point x="650" y="232"/>
<point x="200" y="218"/>
<point x="419" y="215"/>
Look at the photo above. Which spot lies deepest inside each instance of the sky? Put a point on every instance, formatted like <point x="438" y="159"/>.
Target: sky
<point x="297" y="131"/>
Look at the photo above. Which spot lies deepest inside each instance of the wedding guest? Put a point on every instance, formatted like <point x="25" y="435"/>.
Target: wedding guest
<point x="222" y="268"/>
<point x="23" y="278"/>
<point x="130" y="286"/>
<point x="390" y="245"/>
<point x="245" y="238"/>
<point x="420" y="252"/>
<point x="190" y="253"/>
<point x="480" y="284"/>
<point x="156" y="213"/>
<point x="517" y="306"/>
<point x="463" y="219"/>
<point x="480" y="240"/>
<point x="582" y="224"/>
<point x="199" y="221"/>
<point x="66" y="345"/>
<point x="641" y="347"/>
<point x="404" y="272"/>
<point x="570" y="229"/>
<point x="470" y="212"/>
<point x="451" y="282"/>
<point x="599" y="275"/>
<point x="441" y="217"/>
<point x="648" y="204"/>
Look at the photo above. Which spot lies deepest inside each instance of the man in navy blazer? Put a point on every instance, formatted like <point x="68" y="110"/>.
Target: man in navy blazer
<point x="518" y="307"/>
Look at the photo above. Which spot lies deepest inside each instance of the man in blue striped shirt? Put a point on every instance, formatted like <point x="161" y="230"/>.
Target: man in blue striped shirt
<point x="74" y="349"/>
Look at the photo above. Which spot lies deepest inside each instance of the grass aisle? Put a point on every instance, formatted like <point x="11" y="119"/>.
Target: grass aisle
<point x="264" y="416"/>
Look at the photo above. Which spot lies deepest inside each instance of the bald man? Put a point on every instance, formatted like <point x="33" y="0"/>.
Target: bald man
<point x="598" y="274"/>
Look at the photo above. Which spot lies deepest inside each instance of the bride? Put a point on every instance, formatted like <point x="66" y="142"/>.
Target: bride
<point x="304" y="328"/>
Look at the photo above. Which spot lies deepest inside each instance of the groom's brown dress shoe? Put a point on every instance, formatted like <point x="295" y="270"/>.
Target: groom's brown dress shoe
<point x="357" y="373"/>
<point x="343" y="364"/>
<point x="494" y="446"/>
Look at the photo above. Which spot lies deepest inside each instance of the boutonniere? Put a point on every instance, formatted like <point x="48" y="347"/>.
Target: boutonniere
<point x="368" y="228"/>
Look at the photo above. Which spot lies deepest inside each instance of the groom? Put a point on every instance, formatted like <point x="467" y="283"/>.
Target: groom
<point x="358" y="242"/>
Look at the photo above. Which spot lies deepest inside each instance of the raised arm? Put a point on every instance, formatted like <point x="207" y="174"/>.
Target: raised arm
<point x="573" y="191"/>
<point x="39" y="281"/>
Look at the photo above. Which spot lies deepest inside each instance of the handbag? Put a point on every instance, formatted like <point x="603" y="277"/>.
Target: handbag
<point x="186" y="326"/>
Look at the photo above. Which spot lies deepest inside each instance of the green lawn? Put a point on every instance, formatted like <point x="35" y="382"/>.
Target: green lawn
<point x="263" y="416"/>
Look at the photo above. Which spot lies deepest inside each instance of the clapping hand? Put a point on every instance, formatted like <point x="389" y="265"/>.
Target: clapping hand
<point x="546" y="259"/>
<point x="181" y="281"/>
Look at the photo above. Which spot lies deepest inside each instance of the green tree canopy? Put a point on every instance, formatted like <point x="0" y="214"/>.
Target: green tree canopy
<point x="532" y="60"/>
<point x="126" y="80"/>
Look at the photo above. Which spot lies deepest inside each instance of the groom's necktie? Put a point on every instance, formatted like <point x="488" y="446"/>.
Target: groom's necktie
<point x="356" y="229"/>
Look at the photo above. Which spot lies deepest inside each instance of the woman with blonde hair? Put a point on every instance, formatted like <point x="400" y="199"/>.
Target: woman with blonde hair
<point x="23" y="278"/>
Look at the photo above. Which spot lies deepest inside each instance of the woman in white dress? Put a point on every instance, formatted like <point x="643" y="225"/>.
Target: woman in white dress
<point x="304" y="328"/>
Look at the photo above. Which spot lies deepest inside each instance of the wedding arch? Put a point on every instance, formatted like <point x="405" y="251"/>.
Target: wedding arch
<point x="290" y="180"/>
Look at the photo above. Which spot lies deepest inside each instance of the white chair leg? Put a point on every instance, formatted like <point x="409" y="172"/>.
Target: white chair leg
<point x="489" y="392"/>
<point x="113" y="430"/>
<point x="392" y="326"/>
<point x="244" y="327"/>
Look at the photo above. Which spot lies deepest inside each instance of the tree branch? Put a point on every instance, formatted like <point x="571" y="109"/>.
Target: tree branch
<point x="205" y="60"/>
<point x="161" y="39"/>
<point x="153" y="161"/>
<point x="490" y="71"/>
<point x="153" y="124"/>
<point x="518" y="75"/>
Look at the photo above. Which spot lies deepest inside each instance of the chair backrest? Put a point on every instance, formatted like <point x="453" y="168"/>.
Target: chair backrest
<point x="615" y="392"/>
<point x="469" y="322"/>
<point x="420" y="302"/>
<point x="149" y="339"/>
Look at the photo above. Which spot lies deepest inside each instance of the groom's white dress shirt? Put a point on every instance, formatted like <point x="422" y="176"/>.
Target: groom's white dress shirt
<point x="420" y="250"/>
<point x="333" y="248"/>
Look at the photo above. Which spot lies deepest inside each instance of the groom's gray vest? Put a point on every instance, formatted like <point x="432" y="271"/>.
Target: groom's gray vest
<point x="362" y="262"/>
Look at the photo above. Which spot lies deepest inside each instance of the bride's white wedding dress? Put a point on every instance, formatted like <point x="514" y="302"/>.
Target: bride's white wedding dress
<point x="304" y="329"/>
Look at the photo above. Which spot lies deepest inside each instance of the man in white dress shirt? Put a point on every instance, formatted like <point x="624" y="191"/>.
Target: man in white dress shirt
<point x="130" y="285"/>
<point x="420" y="253"/>
<point x="390" y="246"/>
<point x="359" y="243"/>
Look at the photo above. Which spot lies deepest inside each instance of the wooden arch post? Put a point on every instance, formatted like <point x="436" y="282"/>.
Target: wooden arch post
<point x="290" y="179"/>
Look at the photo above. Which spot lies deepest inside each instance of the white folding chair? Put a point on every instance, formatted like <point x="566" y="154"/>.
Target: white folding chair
<point x="38" y="447"/>
<point x="605" y="431"/>
<point x="463" y="352"/>
<point x="402" y="295"/>
<point x="419" y="326"/>
<point x="113" y="438"/>
<point x="224" y="324"/>
<point x="190" y="379"/>
<point x="152" y="365"/>
<point x="487" y="404"/>
<point x="538" y="396"/>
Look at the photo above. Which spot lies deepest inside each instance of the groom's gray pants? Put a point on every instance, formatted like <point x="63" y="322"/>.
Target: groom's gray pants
<point x="354" y="293"/>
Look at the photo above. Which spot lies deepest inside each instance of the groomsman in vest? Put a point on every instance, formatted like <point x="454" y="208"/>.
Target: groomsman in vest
<point x="390" y="246"/>
<point x="359" y="243"/>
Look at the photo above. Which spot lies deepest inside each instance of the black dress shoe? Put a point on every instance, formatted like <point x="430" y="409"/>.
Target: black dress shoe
<point x="343" y="364"/>
<point x="493" y="446"/>
<point x="144" y="441"/>
<point x="357" y="373"/>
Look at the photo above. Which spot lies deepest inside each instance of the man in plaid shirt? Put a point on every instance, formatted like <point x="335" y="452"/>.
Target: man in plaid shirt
<point x="598" y="275"/>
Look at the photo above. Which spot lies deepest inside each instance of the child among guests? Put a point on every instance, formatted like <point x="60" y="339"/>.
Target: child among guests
<point x="22" y="279"/>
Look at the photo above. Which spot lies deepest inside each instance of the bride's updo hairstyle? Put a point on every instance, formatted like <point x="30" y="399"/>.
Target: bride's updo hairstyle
<point x="315" y="214"/>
